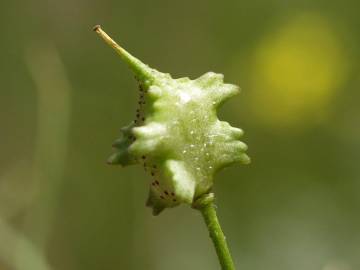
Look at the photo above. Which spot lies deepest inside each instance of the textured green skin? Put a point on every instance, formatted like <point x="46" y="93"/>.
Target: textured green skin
<point x="176" y="135"/>
<point x="181" y="142"/>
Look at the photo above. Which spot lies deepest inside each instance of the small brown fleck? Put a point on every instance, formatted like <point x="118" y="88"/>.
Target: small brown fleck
<point x="157" y="182"/>
<point x="96" y="27"/>
<point x="152" y="173"/>
<point x="174" y="200"/>
<point x="172" y="194"/>
<point x="162" y="197"/>
<point x="167" y="193"/>
<point x="143" y="157"/>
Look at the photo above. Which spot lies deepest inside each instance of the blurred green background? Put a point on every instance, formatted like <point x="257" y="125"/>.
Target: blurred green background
<point x="65" y="94"/>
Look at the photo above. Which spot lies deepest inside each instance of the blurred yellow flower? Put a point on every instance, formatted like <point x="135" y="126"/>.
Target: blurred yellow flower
<point x="296" y="72"/>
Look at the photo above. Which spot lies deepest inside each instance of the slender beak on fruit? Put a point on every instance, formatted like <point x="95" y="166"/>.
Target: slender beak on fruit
<point x="141" y="70"/>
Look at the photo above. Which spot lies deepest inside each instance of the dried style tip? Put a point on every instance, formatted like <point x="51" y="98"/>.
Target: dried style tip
<point x="96" y="27"/>
<point x="142" y="71"/>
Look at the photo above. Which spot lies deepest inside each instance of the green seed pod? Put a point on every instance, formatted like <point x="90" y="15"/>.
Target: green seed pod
<point x="177" y="136"/>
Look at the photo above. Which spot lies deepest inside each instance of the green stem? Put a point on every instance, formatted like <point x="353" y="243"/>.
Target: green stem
<point x="207" y="208"/>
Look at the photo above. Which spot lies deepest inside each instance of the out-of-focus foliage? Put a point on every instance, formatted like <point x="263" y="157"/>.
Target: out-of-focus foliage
<point x="64" y="98"/>
<point x="303" y="64"/>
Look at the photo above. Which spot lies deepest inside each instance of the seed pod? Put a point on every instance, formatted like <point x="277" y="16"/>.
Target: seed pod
<point x="176" y="135"/>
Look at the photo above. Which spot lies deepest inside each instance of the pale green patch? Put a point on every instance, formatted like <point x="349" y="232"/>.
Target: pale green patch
<point x="177" y="136"/>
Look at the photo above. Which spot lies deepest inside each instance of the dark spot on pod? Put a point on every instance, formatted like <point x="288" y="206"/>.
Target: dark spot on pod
<point x="174" y="200"/>
<point x="157" y="182"/>
<point x="143" y="157"/>
<point x="152" y="173"/>
<point x="143" y="118"/>
<point x="172" y="194"/>
<point x="162" y="197"/>
<point x="153" y="183"/>
<point x="167" y="193"/>
<point x="135" y="121"/>
<point x="137" y="115"/>
<point x="154" y="166"/>
<point x="139" y="102"/>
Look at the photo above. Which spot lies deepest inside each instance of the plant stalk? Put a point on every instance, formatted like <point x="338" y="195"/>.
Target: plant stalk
<point x="208" y="210"/>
